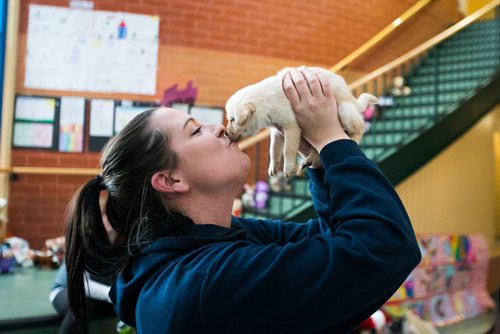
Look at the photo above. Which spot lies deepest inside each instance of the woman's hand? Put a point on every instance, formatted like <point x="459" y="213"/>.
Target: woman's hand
<point x="314" y="105"/>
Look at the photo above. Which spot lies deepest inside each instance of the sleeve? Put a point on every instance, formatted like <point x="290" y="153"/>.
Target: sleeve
<point x="61" y="278"/>
<point x="263" y="231"/>
<point x="319" y="193"/>
<point x="327" y="281"/>
<point x="275" y="231"/>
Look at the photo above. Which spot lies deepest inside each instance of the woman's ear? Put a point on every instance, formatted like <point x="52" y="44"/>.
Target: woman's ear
<point x="164" y="182"/>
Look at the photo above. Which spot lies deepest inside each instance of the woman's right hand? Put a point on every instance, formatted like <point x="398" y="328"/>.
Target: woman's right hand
<point x="314" y="105"/>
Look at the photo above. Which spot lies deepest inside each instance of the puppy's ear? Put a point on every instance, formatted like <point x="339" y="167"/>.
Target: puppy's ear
<point x="246" y="112"/>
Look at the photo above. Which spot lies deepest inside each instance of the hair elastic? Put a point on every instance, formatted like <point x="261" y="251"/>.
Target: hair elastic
<point x="100" y="181"/>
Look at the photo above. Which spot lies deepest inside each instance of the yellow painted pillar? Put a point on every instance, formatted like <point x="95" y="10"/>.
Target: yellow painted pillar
<point x="496" y="145"/>
<point x="9" y="90"/>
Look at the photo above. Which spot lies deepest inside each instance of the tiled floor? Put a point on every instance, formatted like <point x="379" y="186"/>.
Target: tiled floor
<point x="27" y="295"/>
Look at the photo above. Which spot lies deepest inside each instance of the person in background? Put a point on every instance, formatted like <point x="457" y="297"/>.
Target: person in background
<point x="182" y="264"/>
<point x="98" y="302"/>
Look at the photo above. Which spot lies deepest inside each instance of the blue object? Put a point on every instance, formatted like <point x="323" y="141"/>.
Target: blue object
<point x="262" y="276"/>
<point x="3" y="33"/>
<point x="122" y="30"/>
<point x="7" y="263"/>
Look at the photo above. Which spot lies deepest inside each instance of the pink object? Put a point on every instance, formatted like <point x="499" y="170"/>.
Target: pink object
<point x="261" y="194"/>
<point x="172" y="94"/>
<point x="369" y="113"/>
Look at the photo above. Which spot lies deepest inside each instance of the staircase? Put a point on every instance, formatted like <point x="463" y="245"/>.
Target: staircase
<point x="452" y="87"/>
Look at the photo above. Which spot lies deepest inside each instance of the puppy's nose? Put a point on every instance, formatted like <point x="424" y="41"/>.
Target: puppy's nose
<point x="231" y="135"/>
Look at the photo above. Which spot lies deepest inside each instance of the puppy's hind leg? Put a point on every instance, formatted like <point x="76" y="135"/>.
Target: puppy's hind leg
<point x="352" y="120"/>
<point x="275" y="152"/>
<point x="292" y="141"/>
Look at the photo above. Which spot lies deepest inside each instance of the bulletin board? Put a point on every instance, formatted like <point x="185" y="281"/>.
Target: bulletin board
<point x="87" y="50"/>
<point x="36" y="122"/>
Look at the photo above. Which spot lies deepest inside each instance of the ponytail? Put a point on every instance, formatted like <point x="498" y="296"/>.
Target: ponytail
<point x="87" y="247"/>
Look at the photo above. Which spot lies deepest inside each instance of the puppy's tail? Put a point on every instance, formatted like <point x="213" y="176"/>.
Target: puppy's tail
<point x="365" y="99"/>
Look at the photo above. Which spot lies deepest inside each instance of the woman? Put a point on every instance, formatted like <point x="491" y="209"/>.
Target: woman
<point x="183" y="265"/>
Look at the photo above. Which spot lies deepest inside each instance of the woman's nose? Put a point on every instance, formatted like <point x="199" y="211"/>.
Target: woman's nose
<point x="219" y="130"/>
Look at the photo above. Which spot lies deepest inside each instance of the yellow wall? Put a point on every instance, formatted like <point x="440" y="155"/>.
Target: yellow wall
<point x="456" y="191"/>
<point x="473" y="5"/>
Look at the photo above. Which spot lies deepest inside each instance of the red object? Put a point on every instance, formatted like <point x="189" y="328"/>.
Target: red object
<point x="376" y="321"/>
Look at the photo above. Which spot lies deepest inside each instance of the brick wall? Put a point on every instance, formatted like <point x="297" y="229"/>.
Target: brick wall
<point x="221" y="46"/>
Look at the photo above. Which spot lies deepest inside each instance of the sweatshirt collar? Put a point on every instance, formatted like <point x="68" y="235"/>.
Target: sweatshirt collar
<point x="188" y="235"/>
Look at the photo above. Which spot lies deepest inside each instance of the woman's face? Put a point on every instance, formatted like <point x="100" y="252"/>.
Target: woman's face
<point x="206" y="157"/>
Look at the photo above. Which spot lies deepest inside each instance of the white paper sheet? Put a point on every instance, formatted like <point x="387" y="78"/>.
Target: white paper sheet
<point x="82" y="50"/>
<point x="101" y="117"/>
<point x="123" y="115"/>
<point x="37" y="135"/>
<point x="181" y="106"/>
<point x="71" y="121"/>
<point x="207" y="115"/>
<point x="35" y="109"/>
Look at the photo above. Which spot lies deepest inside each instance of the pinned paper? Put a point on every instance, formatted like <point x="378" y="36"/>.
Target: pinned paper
<point x="101" y="117"/>
<point x="38" y="109"/>
<point x="71" y="124"/>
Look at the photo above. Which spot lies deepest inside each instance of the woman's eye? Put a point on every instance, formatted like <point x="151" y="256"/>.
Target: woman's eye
<point x="198" y="130"/>
<point x="231" y="120"/>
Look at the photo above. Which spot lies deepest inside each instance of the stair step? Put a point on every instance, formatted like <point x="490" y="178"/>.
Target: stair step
<point x="452" y="76"/>
<point x="445" y="87"/>
<point x="471" y="56"/>
<point x="394" y="126"/>
<point x="461" y="66"/>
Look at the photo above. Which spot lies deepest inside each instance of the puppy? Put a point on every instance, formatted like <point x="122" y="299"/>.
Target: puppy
<point x="264" y="105"/>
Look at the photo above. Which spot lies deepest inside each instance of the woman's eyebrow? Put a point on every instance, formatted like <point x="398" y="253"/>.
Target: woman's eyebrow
<point x="187" y="121"/>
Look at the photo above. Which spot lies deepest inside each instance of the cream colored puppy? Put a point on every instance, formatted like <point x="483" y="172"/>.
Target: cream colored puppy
<point x="264" y="105"/>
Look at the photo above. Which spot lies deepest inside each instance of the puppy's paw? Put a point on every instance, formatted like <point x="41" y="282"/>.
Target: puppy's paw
<point x="290" y="171"/>
<point x="311" y="159"/>
<point x="304" y="164"/>
<point x="273" y="168"/>
<point x="290" y="174"/>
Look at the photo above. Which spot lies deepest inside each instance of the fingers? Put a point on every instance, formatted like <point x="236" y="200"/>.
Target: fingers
<point x="290" y="90"/>
<point x="312" y="81"/>
<point x="300" y="84"/>
<point x="326" y="85"/>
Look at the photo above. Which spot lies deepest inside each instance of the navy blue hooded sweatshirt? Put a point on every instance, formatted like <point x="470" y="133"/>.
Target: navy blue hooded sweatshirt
<point x="261" y="276"/>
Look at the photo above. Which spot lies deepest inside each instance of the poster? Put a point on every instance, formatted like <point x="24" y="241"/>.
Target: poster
<point x="71" y="121"/>
<point x="98" y="51"/>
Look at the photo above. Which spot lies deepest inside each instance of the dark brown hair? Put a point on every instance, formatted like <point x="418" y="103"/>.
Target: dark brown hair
<point x="128" y="162"/>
